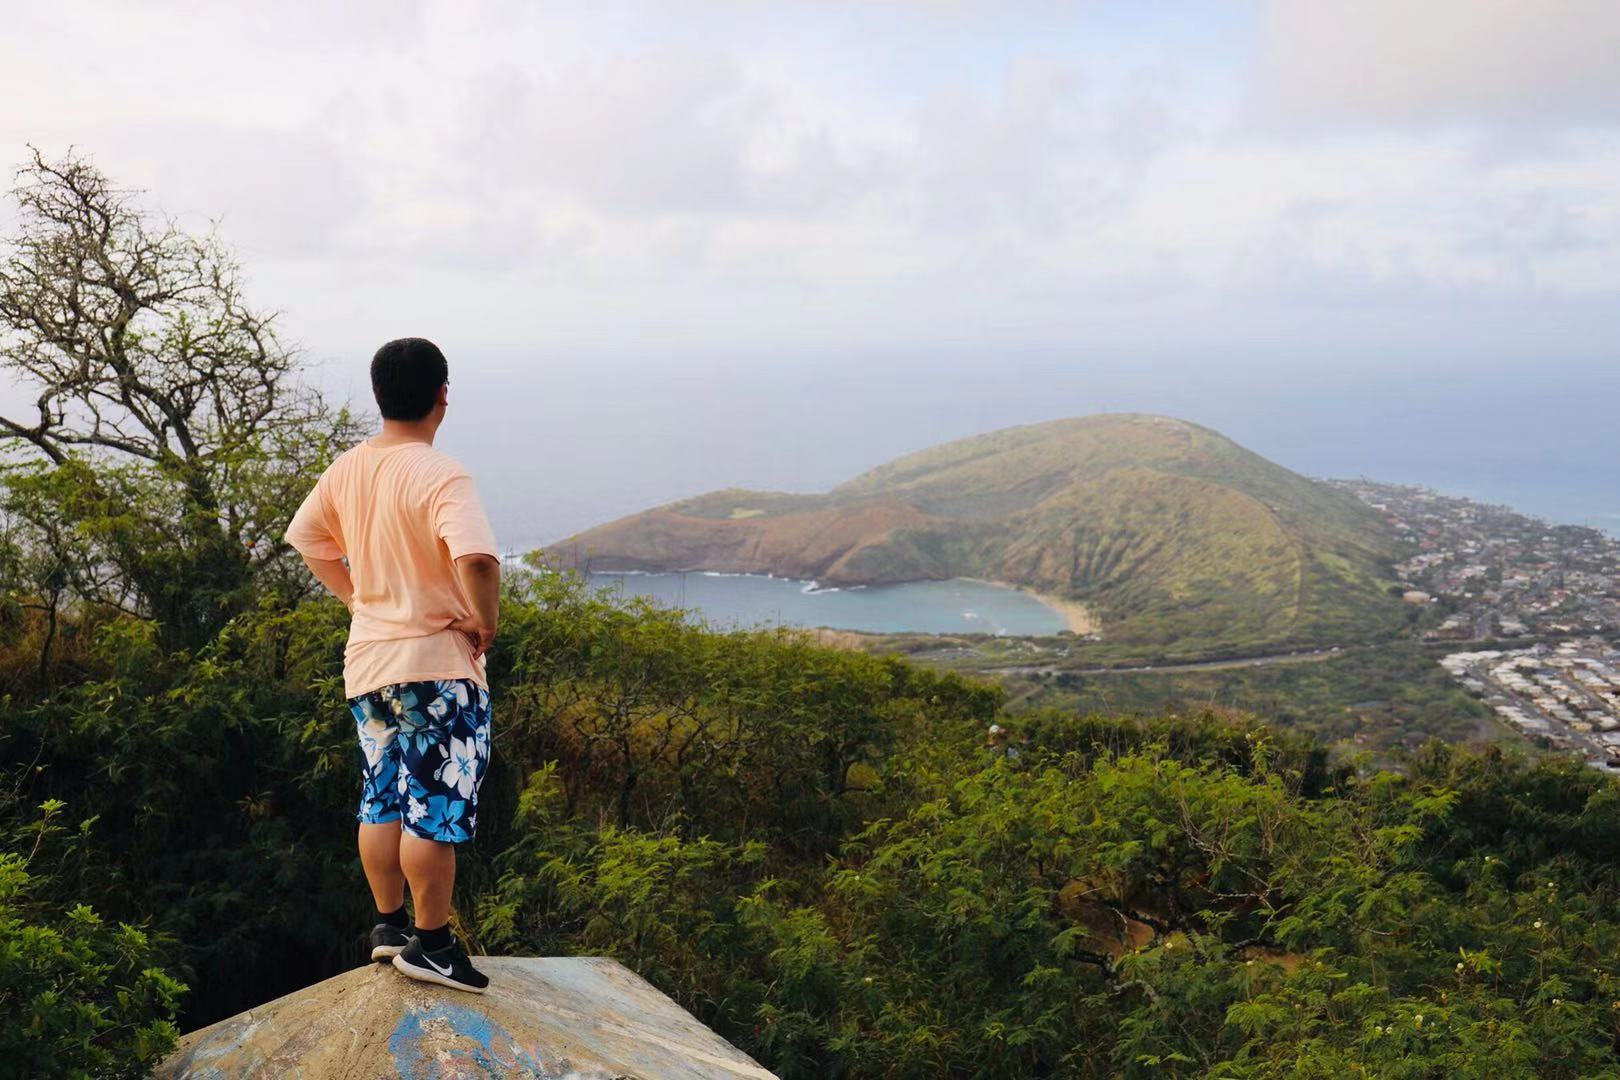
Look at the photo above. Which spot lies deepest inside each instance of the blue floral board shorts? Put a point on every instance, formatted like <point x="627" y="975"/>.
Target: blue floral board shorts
<point x="424" y="749"/>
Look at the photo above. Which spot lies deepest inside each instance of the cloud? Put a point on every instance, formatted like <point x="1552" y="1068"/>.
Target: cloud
<point x="1463" y="63"/>
<point x="638" y="134"/>
<point x="277" y="192"/>
<point x="1040" y="153"/>
<point x="661" y="132"/>
<point x="650" y="178"/>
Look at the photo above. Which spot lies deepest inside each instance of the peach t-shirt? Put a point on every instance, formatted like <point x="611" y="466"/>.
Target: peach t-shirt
<point x="401" y="514"/>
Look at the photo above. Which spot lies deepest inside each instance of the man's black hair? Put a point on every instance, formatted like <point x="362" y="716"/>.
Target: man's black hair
<point x="406" y="375"/>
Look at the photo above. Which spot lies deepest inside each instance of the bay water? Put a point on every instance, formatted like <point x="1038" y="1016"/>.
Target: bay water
<point x="743" y="601"/>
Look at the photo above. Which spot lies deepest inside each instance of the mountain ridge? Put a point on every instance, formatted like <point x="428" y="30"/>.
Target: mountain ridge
<point x="1163" y="527"/>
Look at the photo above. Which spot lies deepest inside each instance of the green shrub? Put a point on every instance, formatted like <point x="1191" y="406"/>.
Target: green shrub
<point x="79" y="997"/>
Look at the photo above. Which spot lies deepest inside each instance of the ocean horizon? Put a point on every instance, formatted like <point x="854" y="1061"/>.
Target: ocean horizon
<point x="1500" y="434"/>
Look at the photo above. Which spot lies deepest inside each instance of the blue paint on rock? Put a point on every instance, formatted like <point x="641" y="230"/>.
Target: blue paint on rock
<point x="487" y="1047"/>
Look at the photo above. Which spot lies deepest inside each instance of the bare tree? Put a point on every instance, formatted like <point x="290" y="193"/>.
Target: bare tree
<point x="169" y="424"/>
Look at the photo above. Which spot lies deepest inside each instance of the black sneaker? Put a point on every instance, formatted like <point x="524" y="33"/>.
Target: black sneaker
<point x="448" y="966"/>
<point x="387" y="941"/>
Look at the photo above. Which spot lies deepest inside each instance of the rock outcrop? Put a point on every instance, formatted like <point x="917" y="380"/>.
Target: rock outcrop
<point x="583" y="1018"/>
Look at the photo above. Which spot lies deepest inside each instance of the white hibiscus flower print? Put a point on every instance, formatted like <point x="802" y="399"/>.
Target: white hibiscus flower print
<point x="452" y="695"/>
<point x="374" y="739"/>
<point x="460" y="770"/>
<point x="415" y="811"/>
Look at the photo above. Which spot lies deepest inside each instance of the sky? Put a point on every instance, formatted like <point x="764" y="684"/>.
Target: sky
<point x="671" y="246"/>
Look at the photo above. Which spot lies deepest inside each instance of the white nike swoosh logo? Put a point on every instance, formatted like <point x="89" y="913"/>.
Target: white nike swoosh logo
<point x="436" y="967"/>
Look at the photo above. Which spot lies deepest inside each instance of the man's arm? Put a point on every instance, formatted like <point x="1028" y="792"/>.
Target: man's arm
<point x="310" y="534"/>
<point x="480" y="576"/>
<point x="334" y="574"/>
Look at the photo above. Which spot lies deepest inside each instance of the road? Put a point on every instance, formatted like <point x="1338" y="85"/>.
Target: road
<point x="1311" y="657"/>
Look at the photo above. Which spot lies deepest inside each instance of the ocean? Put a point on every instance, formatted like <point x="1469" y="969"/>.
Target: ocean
<point x="742" y="601"/>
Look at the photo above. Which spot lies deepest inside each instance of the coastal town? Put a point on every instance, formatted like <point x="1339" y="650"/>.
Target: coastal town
<point x="1533" y="608"/>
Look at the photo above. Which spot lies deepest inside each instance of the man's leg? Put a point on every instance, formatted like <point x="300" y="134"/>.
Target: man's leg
<point x="379" y="816"/>
<point x="431" y="867"/>
<point x="445" y="735"/>
<point x="380" y="857"/>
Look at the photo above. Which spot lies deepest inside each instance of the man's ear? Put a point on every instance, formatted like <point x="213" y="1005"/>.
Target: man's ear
<point x="444" y="393"/>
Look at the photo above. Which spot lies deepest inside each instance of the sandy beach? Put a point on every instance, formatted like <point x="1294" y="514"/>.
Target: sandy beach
<point x="1076" y="615"/>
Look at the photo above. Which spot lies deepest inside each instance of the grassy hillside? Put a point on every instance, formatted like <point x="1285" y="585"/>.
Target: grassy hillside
<point x="1167" y="531"/>
<point x="1377" y="698"/>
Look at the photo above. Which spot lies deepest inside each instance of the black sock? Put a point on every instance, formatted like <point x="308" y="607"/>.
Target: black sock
<point x="396" y="919"/>
<point x="434" y="940"/>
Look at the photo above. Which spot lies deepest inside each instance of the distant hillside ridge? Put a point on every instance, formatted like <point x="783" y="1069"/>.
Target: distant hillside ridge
<point x="1164" y="529"/>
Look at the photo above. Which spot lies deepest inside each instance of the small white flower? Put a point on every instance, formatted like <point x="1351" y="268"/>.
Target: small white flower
<point x="1538" y="924"/>
<point x="1459" y="966"/>
<point x="415" y="811"/>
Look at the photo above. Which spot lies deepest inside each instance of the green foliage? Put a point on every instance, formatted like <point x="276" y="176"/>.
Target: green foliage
<point x="1380" y="697"/>
<point x="747" y="735"/>
<point x="667" y="906"/>
<point x="80" y="997"/>
<point x="820" y="859"/>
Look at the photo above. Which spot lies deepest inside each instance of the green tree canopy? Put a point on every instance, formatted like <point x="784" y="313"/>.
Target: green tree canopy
<point x="171" y="437"/>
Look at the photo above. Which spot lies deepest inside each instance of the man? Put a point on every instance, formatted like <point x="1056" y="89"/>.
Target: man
<point x="395" y="530"/>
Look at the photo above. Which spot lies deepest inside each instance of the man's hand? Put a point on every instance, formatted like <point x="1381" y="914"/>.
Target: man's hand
<point x="334" y="574"/>
<point x="480" y="635"/>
